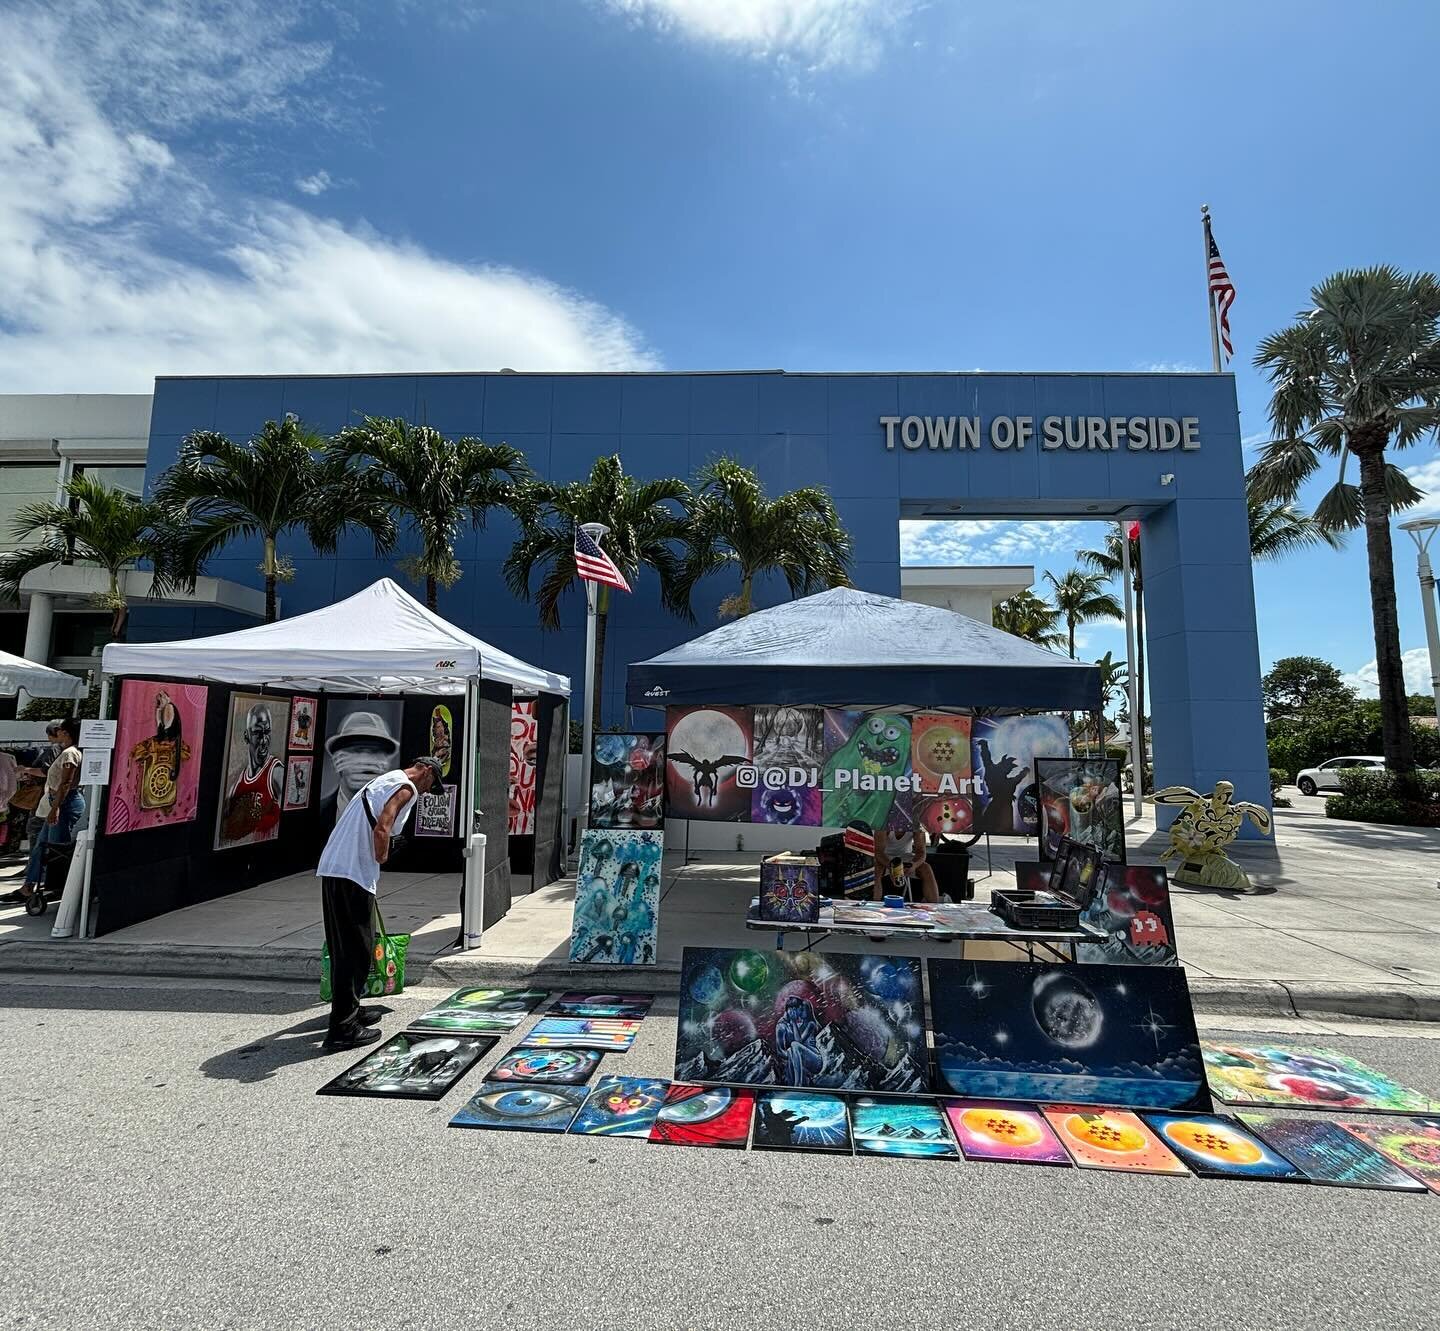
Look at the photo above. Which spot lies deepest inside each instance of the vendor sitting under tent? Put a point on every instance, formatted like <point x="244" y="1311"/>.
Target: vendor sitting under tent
<point x="898" y="858"/>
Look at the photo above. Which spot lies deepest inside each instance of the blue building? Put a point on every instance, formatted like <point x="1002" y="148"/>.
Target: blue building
<point x="1164" y="448"/>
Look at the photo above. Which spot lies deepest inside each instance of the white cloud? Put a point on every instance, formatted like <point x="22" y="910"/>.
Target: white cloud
<point x="315" y="184"/>
<point x="121" y="259"/>
<point x="1416" y="662"/>
<point x="1172" y="367"/>
<point x="820" y="33"/>
<point x="948" y="541"/>
<point x="1426" y="475"/>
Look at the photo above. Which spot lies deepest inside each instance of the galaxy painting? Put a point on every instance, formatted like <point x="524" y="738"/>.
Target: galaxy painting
<point x="616" y="919"/>
<point x="1015" y="1134"/>
<point x="621" y="1107"/>
<point x="627" y="781"/>
<point x="578" y="1003"/>
<point x="801" y="1121"/>
<point x="521" y="1107"/>
<point x="600" y="1033"/>
<point x="567" y="1066"/>
<point x="412" y="1066"/>
<point x="1313" y="1078"/>
<point x="1103" y="1035"/>
<point x="1414" y="1147"/>
<point x="1003" y="748"/>
<point x="801" y="1019"/>
<point x="1111" y="1139"/>
<point x="704" y="1116"/>
<point x="892" y="1125"/>
<point x="1221" y="1148"/>
<point x="480" y="1010"/>
<point x="1131" y="906"/>
<point x="1327" y="1153"/>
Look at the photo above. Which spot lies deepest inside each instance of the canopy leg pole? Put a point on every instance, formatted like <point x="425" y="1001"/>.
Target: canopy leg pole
<point x="472" y="888"/>
<point x="77" y="883"/>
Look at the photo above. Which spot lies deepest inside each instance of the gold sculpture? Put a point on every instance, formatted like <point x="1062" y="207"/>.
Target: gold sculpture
<point x="1205" y="827"/>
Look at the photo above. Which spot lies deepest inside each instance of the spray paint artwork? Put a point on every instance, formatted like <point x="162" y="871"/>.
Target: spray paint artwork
<point x="704" y="749"/>
<point x="893" y="1126"/>
<point x="159" y="741"/>
<point x="1016" y="1134"/>
<point x="940" y="753"/>
<point x="704" y="1116"/>
<point x="617" y="898"/>
<point x="867" y="770"/>
<point x="621" y="1107"/>
<point x="1111" y="1035"/>
<point x="1327" y="1153"/>
<point x="1313" y="1078"/>
<point x="842" y="1022"/>
<point x="627" y="781"/>
<point x="521" y="1107"/>
<point x="1131" y="904"/>
<point x="1004" y="750"/>
<point x="1415" y="1148"/>
<point x="1080" y="799"/>
<point x="1220" y="1148"/>
<point x="789" y="757"/>
<point x="801" y="1121"/>
<point x="1111" y="1139"/>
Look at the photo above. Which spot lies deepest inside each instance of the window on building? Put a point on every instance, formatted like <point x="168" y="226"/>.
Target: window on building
<point x="129" y="479"/>
<point x="23" y="483"/>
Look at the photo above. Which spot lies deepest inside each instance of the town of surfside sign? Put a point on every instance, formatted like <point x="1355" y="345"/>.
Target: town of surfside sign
<point x="1103" y="434"/>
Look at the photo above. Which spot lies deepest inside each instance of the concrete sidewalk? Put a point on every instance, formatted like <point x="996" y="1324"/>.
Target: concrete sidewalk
<point x="1347" y="921"/>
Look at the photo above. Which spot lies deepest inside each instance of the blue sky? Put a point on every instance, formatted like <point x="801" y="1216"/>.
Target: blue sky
<point x="809" y="184"/>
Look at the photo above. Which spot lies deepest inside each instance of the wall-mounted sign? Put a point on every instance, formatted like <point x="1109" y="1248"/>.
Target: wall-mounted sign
<point x="97" y="734"/>
<point x="1102" y="434"/>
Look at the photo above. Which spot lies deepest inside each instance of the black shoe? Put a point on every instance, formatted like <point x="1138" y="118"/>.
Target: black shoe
<point x="371" y="1016"/>
<point x="362" y="1035"/>
<point x="12" y="898"/>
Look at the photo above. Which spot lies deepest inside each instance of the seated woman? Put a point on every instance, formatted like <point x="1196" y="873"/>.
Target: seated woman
<point x="898" y="858"/>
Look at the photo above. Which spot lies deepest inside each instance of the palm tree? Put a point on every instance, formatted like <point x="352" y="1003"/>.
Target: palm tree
<point x="1358" y="372"/>
<point x="1080" y="598"/>
<point x="282" y="481"/>
<point x="1110" y="560"/>
<point x="440" y="485"/>
<point x="99" y="525"/>
<point x="733" y="523"/>
<point x="645" y="526"/>
<point x="1030" y="617"/>
<point x="1278" y="529"/>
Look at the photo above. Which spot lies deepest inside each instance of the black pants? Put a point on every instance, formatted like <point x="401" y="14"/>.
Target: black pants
<point x="350" y="932"/>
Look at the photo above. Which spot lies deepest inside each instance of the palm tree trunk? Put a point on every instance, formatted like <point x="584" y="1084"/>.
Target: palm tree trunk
<point x="1394" y="709"/>
<point x="270" y="579"/>
<point x="432" y="593"/>
<point x="1071" y="624"/>
<point x="120" y="613"/>
<point x="745" y="584"/>
<point x="1140" y="691"/>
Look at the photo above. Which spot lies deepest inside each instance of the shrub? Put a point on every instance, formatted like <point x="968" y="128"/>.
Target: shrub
<point x="1278" y="778"/>
<point x="1378" y="797"/>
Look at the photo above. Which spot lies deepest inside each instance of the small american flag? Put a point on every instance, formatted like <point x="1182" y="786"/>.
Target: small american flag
<point x="1222" y="289"/>
<point x="594" y="565"/>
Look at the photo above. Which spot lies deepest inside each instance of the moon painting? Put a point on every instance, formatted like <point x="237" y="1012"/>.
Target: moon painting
<point x="1081" y="1034"/>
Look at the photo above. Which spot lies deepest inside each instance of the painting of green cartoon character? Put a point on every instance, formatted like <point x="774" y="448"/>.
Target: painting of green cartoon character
<point x="868" y="752"/>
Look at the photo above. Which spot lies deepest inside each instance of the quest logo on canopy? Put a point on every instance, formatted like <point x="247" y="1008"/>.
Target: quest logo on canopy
<point x="1101" y="434"/>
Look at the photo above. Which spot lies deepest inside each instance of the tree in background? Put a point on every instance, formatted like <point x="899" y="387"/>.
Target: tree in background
<point x="1028" y="616"/>
<point x="1109" y="560"/>
<point x="646" y="527"/>
<point x="1356" y="374"/>
<point x="99" y="525"/>
<point x="1303" y="686"/>
<point x="436" y="484"/>
<point x="1278" y="528"/>
<point x="1081" y="598"/>
<point x="283" y="480"/>
<point x="733" y="524"/>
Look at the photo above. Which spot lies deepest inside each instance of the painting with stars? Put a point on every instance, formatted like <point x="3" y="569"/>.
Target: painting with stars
<point x="1099" y="1035"/>
<point x="801" y="1019"/>
<point x="801" y="1121"/>
<point x="1220" y="1148"/>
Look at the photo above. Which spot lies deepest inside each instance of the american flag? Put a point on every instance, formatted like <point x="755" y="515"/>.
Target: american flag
<point x="594" y="565"/>
<point x="1222" y="289"/>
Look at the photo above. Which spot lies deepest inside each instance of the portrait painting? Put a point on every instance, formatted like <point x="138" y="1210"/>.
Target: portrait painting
<point x="362" y="741"/>
<point x="298" y="768"/>
<point x="304" y="718"/>
<point x="252" y="786"/>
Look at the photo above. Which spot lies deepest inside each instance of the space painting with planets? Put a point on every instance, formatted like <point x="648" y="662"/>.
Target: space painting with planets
<point x="621" y="1107"/>
<point x="834" y="1021"/>
<point x="1131" y="905"/>
<point x="893" y="1125"/>
<point x="493" y="1010"/>
<point x="569" y="1067"/>
<point x="1102" y="1035"/>
<point x="1220" y="1147"/>
<point x="1313" y="1078"/>
<point x="801" y="1121"/>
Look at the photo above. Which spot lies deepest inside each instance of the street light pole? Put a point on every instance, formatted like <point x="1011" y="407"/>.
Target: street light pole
<point x="596" y="531"/>
<point x="1421" y="531"/>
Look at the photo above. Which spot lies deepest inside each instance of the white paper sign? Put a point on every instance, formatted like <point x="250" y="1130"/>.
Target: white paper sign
<point x="97" y="734"/>
<point x="95" y="768"/>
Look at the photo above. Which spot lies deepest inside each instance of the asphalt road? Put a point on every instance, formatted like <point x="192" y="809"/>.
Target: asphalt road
<point x="167" y="1164"/>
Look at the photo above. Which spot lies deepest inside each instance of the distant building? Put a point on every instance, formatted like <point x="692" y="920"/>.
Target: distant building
<point x="973" y="590"/>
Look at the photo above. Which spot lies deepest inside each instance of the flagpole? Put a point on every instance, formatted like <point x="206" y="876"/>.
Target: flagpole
<point x="1137" y="714"/>
<point x="1209" y="295"/>
<point x="594" y="530"/>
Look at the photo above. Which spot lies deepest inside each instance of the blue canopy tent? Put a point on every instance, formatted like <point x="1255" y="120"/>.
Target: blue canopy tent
<point x="851" y="648"/>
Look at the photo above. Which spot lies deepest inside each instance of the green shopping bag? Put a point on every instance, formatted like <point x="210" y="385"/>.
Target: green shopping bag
<point x="387" y="963"/>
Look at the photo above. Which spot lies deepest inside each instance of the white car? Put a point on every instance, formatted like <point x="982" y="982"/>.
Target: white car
<point x="1327" y="775"/>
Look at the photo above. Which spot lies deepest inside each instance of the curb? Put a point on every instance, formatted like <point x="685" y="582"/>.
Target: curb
<point x="300" y="968"/>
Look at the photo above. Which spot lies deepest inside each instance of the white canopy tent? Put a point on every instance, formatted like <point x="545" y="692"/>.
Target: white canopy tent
<point x="380" y="640"/>
<point x="39" y="681"/>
